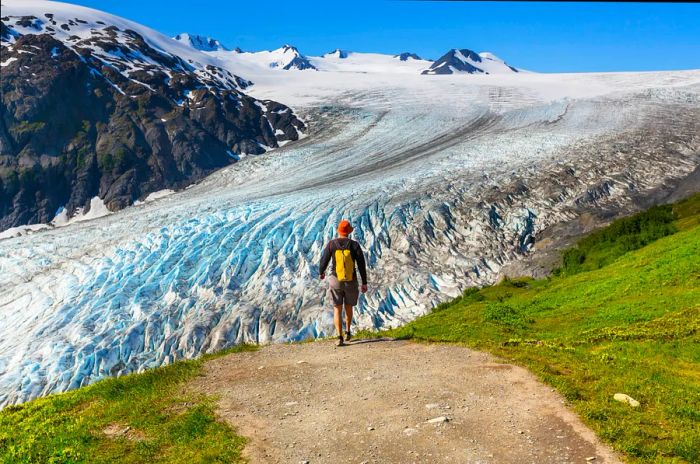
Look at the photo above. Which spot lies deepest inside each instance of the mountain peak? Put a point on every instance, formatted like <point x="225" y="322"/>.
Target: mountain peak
<point x="200" y="42"/>
<point x="287" y="48"/>
<point x="405" y="56"/>
<point x="337" y="53"/>
<point x="288" y="57"/>
<point x="463" y="60"/>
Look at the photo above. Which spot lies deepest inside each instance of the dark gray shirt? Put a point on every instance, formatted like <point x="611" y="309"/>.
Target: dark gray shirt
<point x="343" y="243"/>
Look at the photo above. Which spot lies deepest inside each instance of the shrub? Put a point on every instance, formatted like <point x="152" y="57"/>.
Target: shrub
<point x="624" y="235"/>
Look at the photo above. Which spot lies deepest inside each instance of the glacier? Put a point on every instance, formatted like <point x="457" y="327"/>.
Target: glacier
<point x="445" y="178"/>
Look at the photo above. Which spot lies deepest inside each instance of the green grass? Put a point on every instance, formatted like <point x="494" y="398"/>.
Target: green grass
<point x="167" y="423"/>
<point x="604" y="246"/>
<point x="630" y="325"/>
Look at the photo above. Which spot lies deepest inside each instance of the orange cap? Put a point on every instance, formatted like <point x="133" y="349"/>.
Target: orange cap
<point x="344" y="228"/>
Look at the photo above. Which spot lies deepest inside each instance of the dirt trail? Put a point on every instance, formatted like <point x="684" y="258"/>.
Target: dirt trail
<point x="372" y="402"/>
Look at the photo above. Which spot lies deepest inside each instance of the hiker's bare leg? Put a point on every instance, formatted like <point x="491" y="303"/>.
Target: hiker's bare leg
<point x="338" y="318"/>
<point x="348" y="317"/>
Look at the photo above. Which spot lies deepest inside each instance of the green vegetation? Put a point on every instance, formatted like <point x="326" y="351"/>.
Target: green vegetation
<point x="26" y="126"/>
<point x="616" y="321"/>
<point x="627" y="234"/>
<point x="82" y="157"/>
<point x="108" y="162"/>
<point x="146" y="417"/>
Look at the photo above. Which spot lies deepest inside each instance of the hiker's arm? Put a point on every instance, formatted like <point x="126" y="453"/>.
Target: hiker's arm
<point x="361" y="265"/>
<point x="325" y="259"/>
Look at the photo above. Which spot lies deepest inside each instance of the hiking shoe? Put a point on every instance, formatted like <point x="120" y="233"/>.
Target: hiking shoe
<point x="340" y="341"/>
<point x="348" y="335"/>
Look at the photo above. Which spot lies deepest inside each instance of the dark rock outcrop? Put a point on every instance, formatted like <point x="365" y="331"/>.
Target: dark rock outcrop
<point x="342" y="54"/>
<point x="298" y="61"/>
<point x="455" y="60"/>
<point x="405" y="56"/>
<point x="465" y="60"/>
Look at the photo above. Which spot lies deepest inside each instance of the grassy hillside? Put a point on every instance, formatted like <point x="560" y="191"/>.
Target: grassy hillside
<point x="144" y="418"/>
<point x="621" y="316"/>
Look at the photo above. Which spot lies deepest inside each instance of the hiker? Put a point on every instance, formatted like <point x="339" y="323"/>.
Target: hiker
<point x="343" y="288"/>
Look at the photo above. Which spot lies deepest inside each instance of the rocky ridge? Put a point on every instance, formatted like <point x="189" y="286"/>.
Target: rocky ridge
<point x="91" y="109"/>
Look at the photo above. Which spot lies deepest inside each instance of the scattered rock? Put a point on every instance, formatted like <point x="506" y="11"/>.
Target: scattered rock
<point x="622" y="398"/>
<point x="591" y="458"/>
<point x="438" y="420"/>
<point x="115" y="431"/>
<point x="432" y="406"/>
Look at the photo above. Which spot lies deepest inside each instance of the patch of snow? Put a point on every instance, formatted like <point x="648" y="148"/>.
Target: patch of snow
<point x="61" y="218"/>
<point x="7" y="61"/>
<point x="200" y="42"/>
<point x="154" y="196"/>
<point x="21" y="230"/>
<point x="97" y="209"/>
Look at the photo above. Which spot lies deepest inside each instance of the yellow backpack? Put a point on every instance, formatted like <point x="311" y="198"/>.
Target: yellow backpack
<point x="344" y="265"/>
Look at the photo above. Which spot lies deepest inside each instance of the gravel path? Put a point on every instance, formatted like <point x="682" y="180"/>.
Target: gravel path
<point x="386" y="401"/>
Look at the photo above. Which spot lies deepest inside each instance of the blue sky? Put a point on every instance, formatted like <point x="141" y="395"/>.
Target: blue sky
<point x="546" y="37"/>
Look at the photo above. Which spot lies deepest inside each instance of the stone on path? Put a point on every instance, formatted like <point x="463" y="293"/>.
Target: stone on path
<point x="438" y="420"/>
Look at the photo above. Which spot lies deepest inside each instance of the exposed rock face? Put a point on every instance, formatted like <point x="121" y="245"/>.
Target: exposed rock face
<point x="108" y="115"/>
<point x="338" y="53"/>
<point x="405" y="56"/>
<point x="291" y="58"/>
<point x="466" y="61"/>
<point x="462" y="60"/>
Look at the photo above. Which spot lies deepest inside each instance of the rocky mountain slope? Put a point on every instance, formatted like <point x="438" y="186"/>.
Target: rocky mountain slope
<point x="94" y="106"/>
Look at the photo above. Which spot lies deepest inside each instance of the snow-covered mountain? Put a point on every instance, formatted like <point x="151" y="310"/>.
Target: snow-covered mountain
<point x="96" y="106"/>
<point x="355" y="62"/>
<point x="200" y="42"/>
<point x="337" y="53"/>
<point x="286" y="58"/>
<point x="263" y="66"/>
<point x="405" y="56"/>
<point x="447" y="181"/>
<point x="465" y="61"/>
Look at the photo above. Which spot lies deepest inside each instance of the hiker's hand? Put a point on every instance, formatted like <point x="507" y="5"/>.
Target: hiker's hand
<point x="322" y="276"/>
<point x="363" y="288"/>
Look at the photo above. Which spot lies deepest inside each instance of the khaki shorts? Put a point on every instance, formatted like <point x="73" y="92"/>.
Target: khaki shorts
<point x="343" y="293"/>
